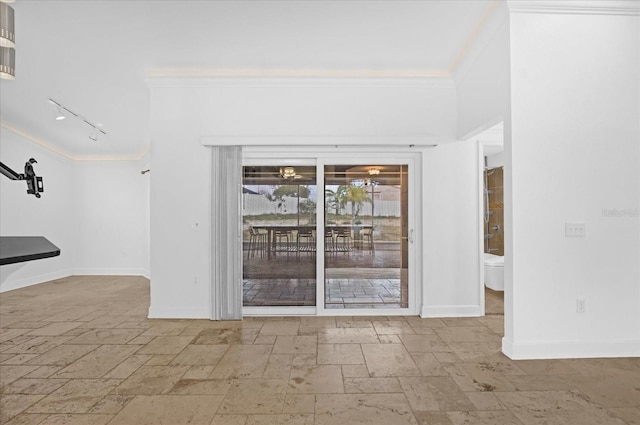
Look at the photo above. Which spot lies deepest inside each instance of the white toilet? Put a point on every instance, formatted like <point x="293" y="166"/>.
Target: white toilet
<point x="494" y="272"/>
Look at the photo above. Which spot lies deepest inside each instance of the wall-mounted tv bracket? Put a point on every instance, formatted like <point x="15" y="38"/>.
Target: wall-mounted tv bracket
<point x="34" y="183"/>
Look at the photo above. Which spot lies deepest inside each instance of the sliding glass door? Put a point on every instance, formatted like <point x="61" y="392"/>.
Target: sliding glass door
<point x="279" y="235"/>
<point x="366" y="236"/>
<point x="327" y="236"/>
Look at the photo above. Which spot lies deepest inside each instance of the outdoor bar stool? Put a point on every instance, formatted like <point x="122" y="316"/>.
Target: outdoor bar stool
<point x="343" y="239"/>
<point x="257" y="241"/>
<point x="329" y="241"/>
<point x="367" y="239"/>
<point x="282" y="239"/>
<point x="305" y="241"/>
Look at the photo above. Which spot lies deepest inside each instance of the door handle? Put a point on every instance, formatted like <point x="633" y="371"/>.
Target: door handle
<point x="411" y="236"/>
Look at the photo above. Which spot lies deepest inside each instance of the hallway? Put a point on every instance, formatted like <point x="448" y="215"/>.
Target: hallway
<point x="80" y="350"/>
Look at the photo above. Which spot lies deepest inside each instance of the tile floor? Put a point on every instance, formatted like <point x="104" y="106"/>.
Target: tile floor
<point x="291" y="280"/>
<point x="341" y="293"/>
<point x="278" y="292"/>
<point x="81" y="351"/>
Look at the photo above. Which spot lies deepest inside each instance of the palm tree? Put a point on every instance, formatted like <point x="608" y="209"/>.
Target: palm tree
<point x="341" y="197"/>
<point x="336" y="199"/>
<point x="357" y="196"/>
<point x="330" y="199"/>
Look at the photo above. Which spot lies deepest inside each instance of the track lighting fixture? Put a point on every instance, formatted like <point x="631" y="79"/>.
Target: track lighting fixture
<point x="63" y="111"/>
<point x="59" y="114"/>
<point x="95" y="134"/>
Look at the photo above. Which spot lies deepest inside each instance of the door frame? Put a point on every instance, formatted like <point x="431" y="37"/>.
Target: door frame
<point x="324" y="155"/>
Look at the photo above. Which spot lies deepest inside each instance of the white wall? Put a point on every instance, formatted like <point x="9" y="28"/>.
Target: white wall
<point x="183" y="111"/>
<point x="113" y="225"/>
<point x="496" y="160"/>
<point x="52" y="216"/>
<point x="95" y="212"/>
<point x="572" y="151"/>
<point x="450" y="231"/>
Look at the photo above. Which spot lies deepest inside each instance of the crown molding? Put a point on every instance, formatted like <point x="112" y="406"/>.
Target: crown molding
<point x="473" y="40"/>
<point x="35" y="140"/>
<point x="494" y="19"/>
<point x="185" y="80"/>
<point x="65" y="154"/>
<point x="114" y="158"/>
<point x="576" y="7"/>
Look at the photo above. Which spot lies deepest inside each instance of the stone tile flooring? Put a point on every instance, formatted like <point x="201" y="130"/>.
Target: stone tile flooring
<point x="363" y="293"/>
<point x="493" y="302"/>
<point x="290" y="280"/>
<point x="81" y="351"/>
<point x="278" y="292"/>
<point x="341" y="293"/>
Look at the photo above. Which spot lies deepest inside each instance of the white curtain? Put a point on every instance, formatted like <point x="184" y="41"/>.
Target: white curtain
<point x="226" y="234"/>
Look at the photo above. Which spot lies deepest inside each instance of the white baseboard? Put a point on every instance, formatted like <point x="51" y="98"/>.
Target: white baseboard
<point x="451" y="311"/>
<point x="111" y="272"/>
<point x="178" y="313"/>
<point x="570" y="349"/>
<point x="10" y="285"/>
<point x="33" y="280"/>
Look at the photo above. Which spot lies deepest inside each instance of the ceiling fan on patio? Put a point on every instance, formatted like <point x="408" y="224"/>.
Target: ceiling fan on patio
<point x="289" y="173"/>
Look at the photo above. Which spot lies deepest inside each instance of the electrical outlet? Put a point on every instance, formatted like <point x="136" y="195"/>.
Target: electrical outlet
<point x="580" y="305"/>
<point x="575" y="229"/>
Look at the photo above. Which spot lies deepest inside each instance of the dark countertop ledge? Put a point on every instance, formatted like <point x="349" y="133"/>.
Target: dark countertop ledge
<point x="17" y="249"/>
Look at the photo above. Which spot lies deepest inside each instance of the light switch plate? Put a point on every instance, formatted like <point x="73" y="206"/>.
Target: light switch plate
<point x="575" y="229"/>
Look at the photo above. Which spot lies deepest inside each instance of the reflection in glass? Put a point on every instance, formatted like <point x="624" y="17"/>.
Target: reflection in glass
<point x="279" y="234"/>
<point x="365" y="238"/>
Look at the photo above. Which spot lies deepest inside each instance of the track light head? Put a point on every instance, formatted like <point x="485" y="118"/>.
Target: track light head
<point x="95" y="134"/>
<point x="59" y="114"/>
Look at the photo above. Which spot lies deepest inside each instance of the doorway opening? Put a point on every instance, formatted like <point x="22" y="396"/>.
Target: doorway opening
<point x="326" y="236"/>
<point x="491" y="152"/>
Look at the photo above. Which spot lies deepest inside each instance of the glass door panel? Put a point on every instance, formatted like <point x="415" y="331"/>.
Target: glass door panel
<point x="279" y="235"/>
<point x="366" y="236"/>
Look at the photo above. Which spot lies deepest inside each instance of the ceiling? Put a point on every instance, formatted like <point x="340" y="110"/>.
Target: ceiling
<point x="93" y="56"/>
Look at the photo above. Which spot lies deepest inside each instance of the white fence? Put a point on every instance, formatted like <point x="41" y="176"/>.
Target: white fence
<point x="254" y="204"/>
